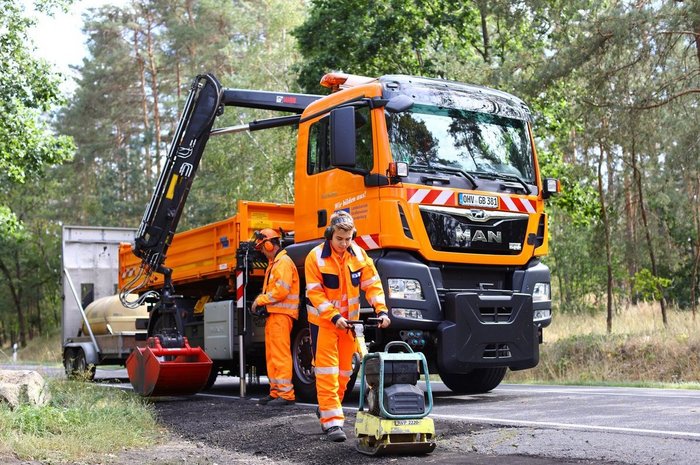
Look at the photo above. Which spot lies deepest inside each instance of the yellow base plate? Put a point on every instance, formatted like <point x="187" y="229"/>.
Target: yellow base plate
<point x="379" y="436"/>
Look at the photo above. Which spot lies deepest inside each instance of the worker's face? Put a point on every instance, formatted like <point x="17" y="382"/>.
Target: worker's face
<point x="340" y="240"/>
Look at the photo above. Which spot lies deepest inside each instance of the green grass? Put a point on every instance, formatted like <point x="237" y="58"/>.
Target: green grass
<point x="80" y="423"/>
<point x="640" y="351"/>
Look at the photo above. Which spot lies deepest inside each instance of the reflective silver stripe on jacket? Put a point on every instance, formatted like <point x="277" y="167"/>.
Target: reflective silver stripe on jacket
<point x="326" y="370"/>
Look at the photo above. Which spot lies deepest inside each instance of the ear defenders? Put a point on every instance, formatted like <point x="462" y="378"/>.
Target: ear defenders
<point x="268" y="245"/>
<point x="266" y="240"/>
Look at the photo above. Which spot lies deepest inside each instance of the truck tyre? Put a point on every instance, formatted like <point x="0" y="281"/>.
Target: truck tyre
<point x="477" y="381"/>
<point x="303" y="376"/>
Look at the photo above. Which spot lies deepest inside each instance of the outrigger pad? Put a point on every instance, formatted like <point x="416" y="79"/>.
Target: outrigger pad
<point x="157" y="371"/>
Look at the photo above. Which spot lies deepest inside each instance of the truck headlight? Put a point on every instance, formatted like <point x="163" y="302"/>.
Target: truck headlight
<point x="401" y="288"/>
<point x="409" y="313"/>
<point x="541" y="292"/>
<point x="545" y="314"/>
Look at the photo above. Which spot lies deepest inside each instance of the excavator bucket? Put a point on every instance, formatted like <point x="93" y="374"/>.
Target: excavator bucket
<point x="157" y="371"/>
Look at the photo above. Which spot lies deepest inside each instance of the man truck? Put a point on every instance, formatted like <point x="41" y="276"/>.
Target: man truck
<point x="443" y="182"/>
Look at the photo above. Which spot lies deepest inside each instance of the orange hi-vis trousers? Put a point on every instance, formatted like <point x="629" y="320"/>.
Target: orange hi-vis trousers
<point x="278" y="355"/>
<point x="333" y="350"/>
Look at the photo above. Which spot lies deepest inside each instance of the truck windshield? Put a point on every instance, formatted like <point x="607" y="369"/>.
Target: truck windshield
<point x="452" y="139"/>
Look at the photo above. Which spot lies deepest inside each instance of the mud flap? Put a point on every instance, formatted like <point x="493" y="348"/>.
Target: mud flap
<point x="487" y="329"/>
<point x="157" y="371"/>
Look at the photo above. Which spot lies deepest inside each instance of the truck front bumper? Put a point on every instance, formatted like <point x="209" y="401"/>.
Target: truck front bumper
<point x="487" y="329"/>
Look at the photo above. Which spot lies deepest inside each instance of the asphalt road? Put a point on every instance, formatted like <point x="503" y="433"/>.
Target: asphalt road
<point x="522" y="424"/>
<point x="564" y="423"/>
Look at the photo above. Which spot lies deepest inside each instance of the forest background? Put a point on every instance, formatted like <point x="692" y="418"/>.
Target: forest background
<point x="614" y="87"/>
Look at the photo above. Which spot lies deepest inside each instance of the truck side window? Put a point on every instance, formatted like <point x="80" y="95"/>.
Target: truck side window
<point x="363" y="139"/>
<point x="319" y="156"/>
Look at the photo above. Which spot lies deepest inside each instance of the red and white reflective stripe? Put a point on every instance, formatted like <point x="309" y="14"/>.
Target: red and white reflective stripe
<point x="448" y="198"/>
<point x="239" y="289"/>
<point x="517" y="204"/>
<point x="431" y="196"/>
<point x="368" y="241"/>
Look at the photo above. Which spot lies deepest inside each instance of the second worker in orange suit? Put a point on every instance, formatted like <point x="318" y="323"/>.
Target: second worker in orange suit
<point x="336" y="270"/>
<point x="280" y="295"/>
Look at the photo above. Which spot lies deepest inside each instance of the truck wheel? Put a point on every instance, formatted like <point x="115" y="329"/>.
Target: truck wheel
<point x="303" y="375"/>
<point x="477" y="381"/>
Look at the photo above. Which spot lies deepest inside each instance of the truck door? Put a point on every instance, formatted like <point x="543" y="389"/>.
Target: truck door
<point x="340" y="189"/>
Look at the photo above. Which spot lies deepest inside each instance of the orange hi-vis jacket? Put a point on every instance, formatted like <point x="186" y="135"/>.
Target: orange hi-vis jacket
<point x="333" y="284"/>
<point x="281" y="287"/>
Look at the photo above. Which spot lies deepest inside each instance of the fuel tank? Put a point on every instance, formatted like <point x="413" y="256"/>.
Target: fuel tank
<point x="108" y="316"/>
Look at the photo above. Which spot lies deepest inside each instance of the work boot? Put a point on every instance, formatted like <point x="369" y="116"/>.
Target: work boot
<point x="280" y="402"/>
<point x="336" y="434"/>
<point x="266" y="400"/>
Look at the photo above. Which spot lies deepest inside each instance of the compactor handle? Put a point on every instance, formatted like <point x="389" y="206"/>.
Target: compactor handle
<point x="399" y="344"/>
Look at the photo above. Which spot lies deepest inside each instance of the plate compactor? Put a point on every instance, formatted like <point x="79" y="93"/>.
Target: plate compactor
<point x="396" y="420"/>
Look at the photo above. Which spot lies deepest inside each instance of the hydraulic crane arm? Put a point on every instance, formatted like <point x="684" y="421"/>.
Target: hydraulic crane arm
<point x="163" y="211"/>
<point x="205" y="102"/>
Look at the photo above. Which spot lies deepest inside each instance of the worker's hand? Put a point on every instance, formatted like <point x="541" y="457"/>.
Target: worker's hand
<point x="342" y="323"/>
<point x="385" y="321"/>
<point x="254" y="306"/>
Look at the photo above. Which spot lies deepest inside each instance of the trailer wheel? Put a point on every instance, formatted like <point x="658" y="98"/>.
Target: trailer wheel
<point x="68" y="360"/>
<point x="303" y="375"/>
<point x="76" y="365"/>
<point x="477" y="381"/>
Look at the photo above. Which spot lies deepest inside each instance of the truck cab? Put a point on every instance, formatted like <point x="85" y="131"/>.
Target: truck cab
<point x="444" y="185"/>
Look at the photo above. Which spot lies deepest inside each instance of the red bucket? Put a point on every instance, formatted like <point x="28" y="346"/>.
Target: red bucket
<point x="157" y="371"/>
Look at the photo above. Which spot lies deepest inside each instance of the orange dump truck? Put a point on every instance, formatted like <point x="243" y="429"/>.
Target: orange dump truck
<point x="444" y="185"/>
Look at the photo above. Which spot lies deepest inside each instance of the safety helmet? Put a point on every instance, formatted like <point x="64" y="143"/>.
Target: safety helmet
<point x="264" y="236"/>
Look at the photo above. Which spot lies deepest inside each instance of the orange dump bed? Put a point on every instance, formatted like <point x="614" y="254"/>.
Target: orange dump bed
<point x="209" y="251"/>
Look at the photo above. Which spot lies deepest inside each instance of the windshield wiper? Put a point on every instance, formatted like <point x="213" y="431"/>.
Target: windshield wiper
<point x="505" y="177"/>
<point x="433" y="168"/>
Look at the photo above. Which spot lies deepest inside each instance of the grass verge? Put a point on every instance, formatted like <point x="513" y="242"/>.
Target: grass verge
<point x="640" y="350"/>
<point x="81" y="423"/>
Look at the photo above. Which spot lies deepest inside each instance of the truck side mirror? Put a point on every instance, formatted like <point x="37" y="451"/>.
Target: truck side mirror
<point x="343" y="152"/>
<point x="550" y="187"/>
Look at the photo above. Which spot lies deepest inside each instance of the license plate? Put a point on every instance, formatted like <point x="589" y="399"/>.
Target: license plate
<point x="472" y="200"/>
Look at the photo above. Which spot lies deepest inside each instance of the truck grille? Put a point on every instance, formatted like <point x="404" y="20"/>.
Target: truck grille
<point x="495" y="314"/>
<point x="497" y="351"/>
<point x="474" y="231"/>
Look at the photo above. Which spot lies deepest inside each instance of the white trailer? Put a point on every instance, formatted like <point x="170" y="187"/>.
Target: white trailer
<point x="90" y="263"/>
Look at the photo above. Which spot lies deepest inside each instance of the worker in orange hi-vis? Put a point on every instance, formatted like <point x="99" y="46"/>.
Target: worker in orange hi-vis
<point x="280" y="297"/>
<point x="336" y="270"/>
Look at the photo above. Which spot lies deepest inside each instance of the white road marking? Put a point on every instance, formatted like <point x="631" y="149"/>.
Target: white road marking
<point x="569" y="426"/>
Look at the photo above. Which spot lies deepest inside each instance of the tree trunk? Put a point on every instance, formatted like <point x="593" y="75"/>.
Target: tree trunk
<point x="16" y="294"/>
<point x="154" y="87"/>
<point x="606" y="229"/>
<point x="485" y="31"/>
<point x="647" y="233"/>
<point x="694" y="194"/>
<point x="144" y="105"/>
